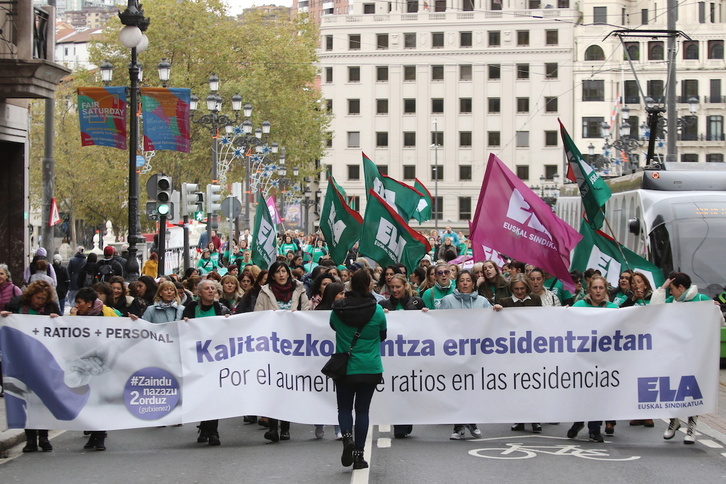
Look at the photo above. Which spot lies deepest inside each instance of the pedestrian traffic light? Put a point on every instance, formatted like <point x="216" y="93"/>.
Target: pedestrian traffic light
<point x="214" y="198"/>
<point x="163" y="188"/>
<point x="189" y="198"/>
<point x="200" y="201"/>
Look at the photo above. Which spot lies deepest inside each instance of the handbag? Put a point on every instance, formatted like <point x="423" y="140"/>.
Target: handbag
<point x="337" y="365"/>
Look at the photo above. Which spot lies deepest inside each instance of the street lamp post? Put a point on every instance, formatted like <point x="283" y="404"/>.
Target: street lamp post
<point x="307" y="202"/>
<point x="132" y="36"/>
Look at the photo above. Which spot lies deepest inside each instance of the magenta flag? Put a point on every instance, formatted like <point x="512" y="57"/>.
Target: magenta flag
<point x="272" y="207"/>
<point x="512" y="219"/>
<point x="483" y="253"/>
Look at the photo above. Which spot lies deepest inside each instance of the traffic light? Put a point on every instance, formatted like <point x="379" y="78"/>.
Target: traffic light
<point x="214" y="198"/>
<point x="162" y="194"/>
<point x="189" y="198"/>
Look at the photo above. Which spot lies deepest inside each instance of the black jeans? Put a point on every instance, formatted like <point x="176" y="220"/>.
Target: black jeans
<point x="360" y="396"/>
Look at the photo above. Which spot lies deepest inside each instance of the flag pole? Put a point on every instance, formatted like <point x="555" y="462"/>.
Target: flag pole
<point x="612" y="234"/>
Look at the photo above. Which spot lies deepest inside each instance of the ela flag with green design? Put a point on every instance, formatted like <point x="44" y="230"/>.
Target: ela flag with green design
<point x="340" y="224"/>
<point x="389" y="239"/>
<point x="597" y="250"/>
<point x="425" y="205"/>
<point x="264" y="238"/>
<point x="593" y="189"/>
<point x="404" y="198"/>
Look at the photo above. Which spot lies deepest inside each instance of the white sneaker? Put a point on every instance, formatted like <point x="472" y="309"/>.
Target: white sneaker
<point x="673" y="427"/>
<point x="338" y="436"/>
<point x="474" y="431"/>
<point x="690" y="437"/>
<point x="459" y="433"/>
<point x="320" y="432"/>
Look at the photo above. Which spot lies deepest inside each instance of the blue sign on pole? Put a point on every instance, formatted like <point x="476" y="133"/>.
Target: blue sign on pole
<point x="140" y="161"/>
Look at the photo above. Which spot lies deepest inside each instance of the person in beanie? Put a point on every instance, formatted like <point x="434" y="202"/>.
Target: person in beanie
<point x="32" y="268"/>
<point x="108" y="266"/>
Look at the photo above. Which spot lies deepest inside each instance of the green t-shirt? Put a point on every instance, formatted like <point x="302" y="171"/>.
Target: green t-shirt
<point x="432" y="297"/>
<point x="198" y="313"/>
<point x="365" y="358"/>
<point x="584" y="304"/>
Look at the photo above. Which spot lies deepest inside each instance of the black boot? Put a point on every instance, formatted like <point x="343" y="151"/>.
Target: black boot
<point x="272" y="434"/>
<point x="32" y="437"/>
<point x="203" y="437"/>
<point x="43" y="441"/>
<point x="91" y="444"/>
<point x="358" y="461"/>
<point x="214" y="439"/>
<point x="100" y="441"/>
<point x="348" y="448"/>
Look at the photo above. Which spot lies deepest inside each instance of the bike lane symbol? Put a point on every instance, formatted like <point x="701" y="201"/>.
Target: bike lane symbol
<point x="520" y="450"/>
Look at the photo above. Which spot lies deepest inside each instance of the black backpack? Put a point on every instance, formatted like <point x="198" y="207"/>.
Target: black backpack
<point x="105" y="271"/>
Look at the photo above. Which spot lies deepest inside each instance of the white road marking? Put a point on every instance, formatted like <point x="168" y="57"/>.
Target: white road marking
<point x="710" y="443"/>
<point x="384" y="428"/>
<point x="384" y="442"/>
<point x="361" y="476"/>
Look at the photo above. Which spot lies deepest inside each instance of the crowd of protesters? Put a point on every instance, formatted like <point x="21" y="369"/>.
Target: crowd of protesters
<point x="358" y="292"/>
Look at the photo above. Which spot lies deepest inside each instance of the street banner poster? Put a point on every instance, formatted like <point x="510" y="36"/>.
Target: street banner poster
<point x="593" y="189"/>
<point x="599" y="251"/>
<point x="390" y="240"/>
<point x="539" y="364"/>
<point x="166" y="118"/>
<point x="511" y="218"/>
<point x="102" y="116"/>
<point x="425" y="205"/>
<point x="403" y="198"/>
<point x="264" y="237"/>
<point x="341" y="225"/>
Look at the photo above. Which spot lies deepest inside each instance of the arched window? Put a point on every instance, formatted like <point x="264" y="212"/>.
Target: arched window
<point x="690" y="50"/>
<point x="656" y="51"/>
<point x="715" y="49"/>
<point x="594" y="53"/>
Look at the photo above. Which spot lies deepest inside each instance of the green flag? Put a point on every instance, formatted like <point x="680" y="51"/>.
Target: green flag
<point x="389" y="239"/>
<point x="404" y="198"/>
<point x="425" y="204"/>
<point x="340" y="224"/>
<point x="598" y="251"/>
<point x="264" y="238"/>
<point x="593" y="189"/>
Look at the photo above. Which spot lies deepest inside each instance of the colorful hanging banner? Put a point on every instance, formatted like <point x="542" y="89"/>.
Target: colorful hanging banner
<point x="166" y="118"/>
<point x="102" y="116"/>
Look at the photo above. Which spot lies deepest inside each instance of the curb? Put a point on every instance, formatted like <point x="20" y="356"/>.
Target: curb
<point x="10" y="438"/>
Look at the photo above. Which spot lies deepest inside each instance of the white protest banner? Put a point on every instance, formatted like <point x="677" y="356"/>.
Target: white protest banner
<point x="520" y="364"/>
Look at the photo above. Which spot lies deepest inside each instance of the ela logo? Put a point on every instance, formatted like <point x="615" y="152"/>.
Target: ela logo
<point x="608" y="266"/>
<point x="520" y="211"/>
<point x="658" y="389"/>
<point x="388" y="237"/>
<point x="337" y="227"/>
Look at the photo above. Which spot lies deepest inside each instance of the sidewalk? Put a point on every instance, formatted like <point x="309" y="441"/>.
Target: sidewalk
<point x="713" y="425"/>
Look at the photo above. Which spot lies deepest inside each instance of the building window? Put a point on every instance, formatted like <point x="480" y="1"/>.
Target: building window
<point x="600" y="15"/>
<point x="631" y="92"/>
<point x="551" y="70"/>
<point x="465" y="172"/>
<point x="550" y="138"/>
<point x="550" y="104"/>
<point x="655" y="89"/>
<point x="522" y="104"/>
<point x="715" y="49"/>
<point x="644" y="16"/>
<point x="689" y="88"/>
<point x="714" y="128"/>
<point x="552" y="37"/>
<point x="437" y="138"/>
<point x="437" y="172"/>
<point x="495" y="71"/>
<point x="594" y="53"/>
<point x="522" y="172"/>
<point x="353" y="74"/>
<point x="522" y="38"/>
<point x="383" y="169"/>
<point x="328" y="75"/>
<point x="353" y="106"/>
<point x="438" y="207"/>
<point x="437" y="73"/>
<point x="437" y="40"/>
<point x="409" y="172"/>
<point x="701" y="12"/>
<point x="382" y="73"/>
<point x="328" y="42"/>
<point x="381" y="106"/>
<point x="353" y="172"/>
<point x="465" y="105"/>
<point x="522" y="139"/>
<point x="411" y="6"/>
<point x="689" y="157"/>
<point x="714" y="95"/>
<point x="593" y="90"/>
<point x="468" y="5"/>
<point x="690" y="50"/>
<point x="495" y="38"/>
<point x="329" y="140"/>
<point x="409" y="106"/>
<point x="534" y="4"/>
<point x="409" y="139"/>
<point x="592" y="127"/>
<point x="522" y="71"/>
<point x="465" y="39"/>
<point x="632" y="50"/>
<point x="329" y="105"/>
<point x="465" y="139"/>
<point x="381" y="139"/>
<point x="494" y="138"/>
<point x="714" y="158"/>
<point x="409" y="73"/>
<point x="369" y="8"/>
<point x="382" y="41"/>
<point x="353" y="139"/>
<point x="437" y="106"/>
<point x="494" y="105"/>
<point x="655" y="50"/>
<point x="495" y="4"/>
<point x="409" y="40"/>
<point x="464" y="208"/>
<point x="465" y="72"/>
<point x="354" y="42"/>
